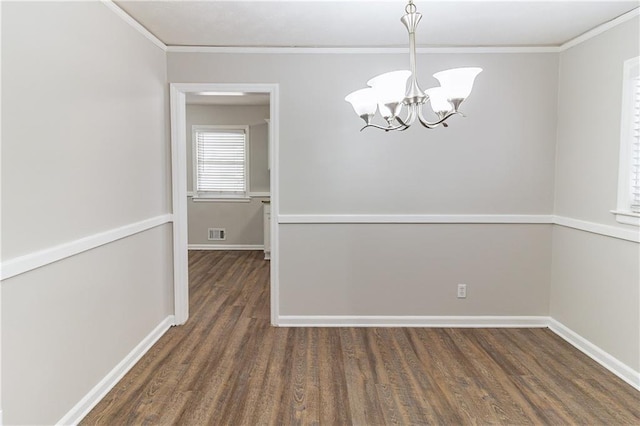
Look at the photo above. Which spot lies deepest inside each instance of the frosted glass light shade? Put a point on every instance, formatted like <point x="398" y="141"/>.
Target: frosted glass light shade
<point x="458" y="82"/>
<point x="388" y="111"/>
<point x="390" y="87"/>
<point x="363" y="101"/>
<point x="438" y="99"/>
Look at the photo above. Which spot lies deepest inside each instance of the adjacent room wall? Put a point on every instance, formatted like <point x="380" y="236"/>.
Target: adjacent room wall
<point x="595" y="287"/>
<point x="243" y="221"/>
<point x="497" y="161"/>
<point x="84" y="151"/>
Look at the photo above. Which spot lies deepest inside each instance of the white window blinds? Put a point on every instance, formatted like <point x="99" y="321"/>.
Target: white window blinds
<point x="634" y="195"/>
<point x="220" y="162"/>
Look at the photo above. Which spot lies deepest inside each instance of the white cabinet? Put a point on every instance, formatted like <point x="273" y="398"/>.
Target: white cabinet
<point x="266" y="208"/>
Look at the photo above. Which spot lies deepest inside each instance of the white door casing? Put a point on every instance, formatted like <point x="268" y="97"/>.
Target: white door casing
<point x="178" y="93"/>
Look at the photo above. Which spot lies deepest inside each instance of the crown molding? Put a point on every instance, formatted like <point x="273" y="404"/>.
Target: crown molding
<point x="135" y="24"/>
<point x="600" y="29"/>
<point x="361" y="50"/>
<point x="369" y="50"/>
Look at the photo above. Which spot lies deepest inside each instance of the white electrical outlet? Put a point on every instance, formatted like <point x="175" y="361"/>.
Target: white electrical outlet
<point x="462" y="291"/>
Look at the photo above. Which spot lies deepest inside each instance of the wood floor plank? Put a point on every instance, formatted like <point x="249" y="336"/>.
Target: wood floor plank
<point x="250" y="381"/>
<point x="301" y="397"/>
<point x="228" y="366"/>
<point x="551" y="364"/>
<point x="211" y="380"/>
<point x="272" y="388"/>
<point x="361" y="388"/>
<point x="408" y="398"/>
<point x="504" y="397"/>
<point x="434" y="402"/>
<point x="332" y="381"/>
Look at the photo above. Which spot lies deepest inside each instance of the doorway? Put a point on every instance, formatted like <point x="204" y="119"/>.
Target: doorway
<point x="178" y="100"/>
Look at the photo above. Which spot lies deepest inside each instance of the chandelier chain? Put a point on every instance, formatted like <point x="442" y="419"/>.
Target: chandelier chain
<point x="410" y="7"/>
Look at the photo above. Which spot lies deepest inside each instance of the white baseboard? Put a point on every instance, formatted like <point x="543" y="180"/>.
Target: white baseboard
<point x="225" y="247"/>
<point x="609" y="362"/>
<point x="86" y="404"/>
<point x="411" y="321"/>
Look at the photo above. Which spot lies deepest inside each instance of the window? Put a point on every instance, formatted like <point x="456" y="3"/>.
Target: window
<point x="628" y="210"/>
<point x="220" y="162"/>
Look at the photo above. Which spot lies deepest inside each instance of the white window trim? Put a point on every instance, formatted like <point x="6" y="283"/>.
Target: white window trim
<point x="207" y="197"/>
<point x="623" y="211"/>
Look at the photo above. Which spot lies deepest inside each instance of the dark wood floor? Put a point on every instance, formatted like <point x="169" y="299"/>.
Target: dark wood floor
<point x="228" y="366"/>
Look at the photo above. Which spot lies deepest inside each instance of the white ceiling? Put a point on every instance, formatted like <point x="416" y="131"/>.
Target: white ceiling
<point x="356" y="23"/>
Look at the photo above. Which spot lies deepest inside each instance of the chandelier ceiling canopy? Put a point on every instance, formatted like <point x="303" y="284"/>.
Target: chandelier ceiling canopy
<point x="389" y="92"/>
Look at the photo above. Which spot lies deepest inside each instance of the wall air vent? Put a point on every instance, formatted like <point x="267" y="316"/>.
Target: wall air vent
<point x="217" y="234"/>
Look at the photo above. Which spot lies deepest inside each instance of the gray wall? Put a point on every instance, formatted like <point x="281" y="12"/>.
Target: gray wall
<point x="84" y="151"/>
<point x="242" y="221"/>
<point x="476" y="166"/>
<point x="595" y="287"/>
<point x="351" y="269"/>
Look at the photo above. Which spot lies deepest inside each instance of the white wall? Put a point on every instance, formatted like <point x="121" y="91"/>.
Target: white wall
<point x="242" y="221"/>
<point x="84" y="151"/>
<point x="595" y="287"/>
<point x="499" y="160"/>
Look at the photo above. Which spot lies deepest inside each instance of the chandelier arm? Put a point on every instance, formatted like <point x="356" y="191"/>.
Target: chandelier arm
<point x="386" y="129"/>
<point x="411" y="116"/>
<point x="404" y="124"/>
<point x="431" y="125"/>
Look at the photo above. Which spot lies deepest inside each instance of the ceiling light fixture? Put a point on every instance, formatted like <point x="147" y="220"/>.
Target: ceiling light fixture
<point x="222" y="93"/>
<point x="388" y="92"/>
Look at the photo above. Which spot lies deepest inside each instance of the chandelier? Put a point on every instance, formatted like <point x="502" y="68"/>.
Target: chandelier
<point x="389" y="92"/>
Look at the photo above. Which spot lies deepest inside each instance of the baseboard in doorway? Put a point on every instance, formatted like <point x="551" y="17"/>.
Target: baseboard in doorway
<point x="225" y="247"/>
<point x="91" y="399"/>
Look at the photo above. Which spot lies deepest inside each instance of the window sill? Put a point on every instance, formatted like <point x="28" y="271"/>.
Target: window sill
<point x="627" y="217"/>
<point x="213" y="199"/>
<point x="240" y="199"/>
